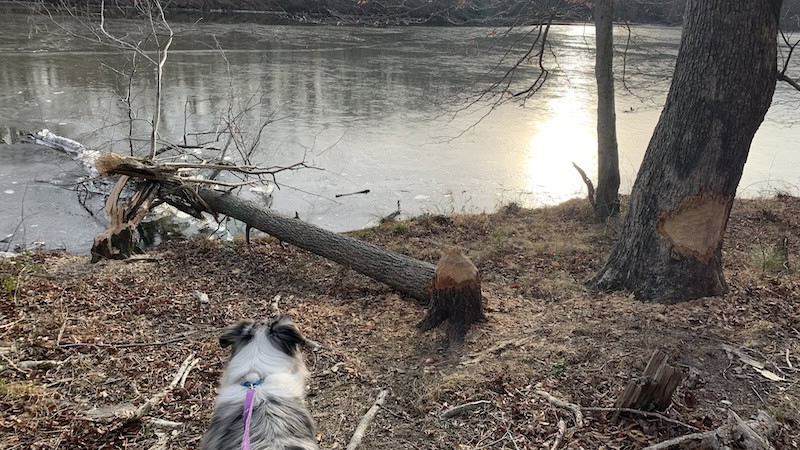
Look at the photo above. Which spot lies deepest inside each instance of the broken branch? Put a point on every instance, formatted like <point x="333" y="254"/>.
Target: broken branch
<point x="588" y="182"/>
<point x="361" y="430"/>
<point x="562" y="431"/>
<point x="180" y="376"/>
<point x="751" y="435"/>
<point x="466" y="407"/>
<point x="576" y="410"/>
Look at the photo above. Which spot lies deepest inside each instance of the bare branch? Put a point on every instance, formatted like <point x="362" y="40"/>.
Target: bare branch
<point x="790" y="81"/>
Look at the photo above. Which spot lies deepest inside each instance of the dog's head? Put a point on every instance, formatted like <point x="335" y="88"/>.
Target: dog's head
<point x="265" y="356"/>
<point x="281" y="333"/>
<point x="263" y="347"/>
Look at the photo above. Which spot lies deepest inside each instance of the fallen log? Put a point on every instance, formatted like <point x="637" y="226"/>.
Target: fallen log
<point x="408" y="275"/>
<point x="404" y="273"/>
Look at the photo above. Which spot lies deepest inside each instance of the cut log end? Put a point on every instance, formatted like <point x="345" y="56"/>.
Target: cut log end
<point x="455" y="296"/>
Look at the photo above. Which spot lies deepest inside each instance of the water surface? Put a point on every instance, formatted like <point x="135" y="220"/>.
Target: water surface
<point x="374" y="108"/>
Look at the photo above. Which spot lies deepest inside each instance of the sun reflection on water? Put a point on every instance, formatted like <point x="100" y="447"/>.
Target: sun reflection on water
<point x="566" y="135"/>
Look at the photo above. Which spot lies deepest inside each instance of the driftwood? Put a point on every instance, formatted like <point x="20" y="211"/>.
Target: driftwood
<point x="406" y="274"/>
<point x="455" y="297"/>
<point x="752" y="435"/>
<point x="653" y="390"/>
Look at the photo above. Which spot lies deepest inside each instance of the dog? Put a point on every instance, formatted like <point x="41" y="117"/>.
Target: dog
<point x="266" y="373"/>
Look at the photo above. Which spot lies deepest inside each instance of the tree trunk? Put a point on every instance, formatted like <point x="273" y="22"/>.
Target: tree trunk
<point x="607" y="197"/>
<point x="670" y="248"/>
<point x="404" y="273"/>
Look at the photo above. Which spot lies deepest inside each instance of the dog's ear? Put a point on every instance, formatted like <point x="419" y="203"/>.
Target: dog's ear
<point x="285" y="335"/>
<point x="239" y="332"/>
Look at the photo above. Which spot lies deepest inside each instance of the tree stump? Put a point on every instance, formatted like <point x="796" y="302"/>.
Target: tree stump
<point x="455" y="296"/>
<point x="654" y="389"/>
<point x="118" y="241"/>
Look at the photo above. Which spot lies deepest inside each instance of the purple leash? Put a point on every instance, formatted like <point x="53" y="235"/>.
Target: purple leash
<point x="248" y="411"/>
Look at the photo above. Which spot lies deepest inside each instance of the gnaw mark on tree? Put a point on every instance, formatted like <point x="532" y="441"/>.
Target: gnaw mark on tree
<point x="696" y="226"/>
<point x="455" y="296"/>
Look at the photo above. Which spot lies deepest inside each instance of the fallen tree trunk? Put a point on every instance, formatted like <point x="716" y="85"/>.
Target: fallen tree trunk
<point x="404" y="273"/>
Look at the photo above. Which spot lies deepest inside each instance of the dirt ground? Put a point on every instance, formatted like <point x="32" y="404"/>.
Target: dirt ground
<point x="115" y="334"/>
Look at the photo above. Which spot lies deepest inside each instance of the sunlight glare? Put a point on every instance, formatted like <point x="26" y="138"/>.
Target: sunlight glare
<point x="567" y="135"/>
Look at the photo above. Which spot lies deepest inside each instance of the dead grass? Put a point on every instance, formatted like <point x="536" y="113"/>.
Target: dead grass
<point x="580" y="346"/>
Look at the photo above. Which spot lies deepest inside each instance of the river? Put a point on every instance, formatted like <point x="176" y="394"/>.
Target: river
<point x="391" y="110"/>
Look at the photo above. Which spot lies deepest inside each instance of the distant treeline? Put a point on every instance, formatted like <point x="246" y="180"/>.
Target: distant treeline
<point x="432" y="12"/>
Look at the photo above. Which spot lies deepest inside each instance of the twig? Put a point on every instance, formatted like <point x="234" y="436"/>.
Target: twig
<point x="192" y="365"/>
<point x="365" y="191"/>
<point x="589" y="185"/>
<point x="217" y="182"/>
<point x="162" y="53"/>
<point x="45" y="364"/>
<point x="11" y="324"/>
<point x="61" y="332"/>
<point x="466" y="407"/>
<point x="496" y="349"/>
<point x="146" y="407"/>
<point x="11" y="364"/>
<point x="315" y="346"/>
<point x="142" y="258"/>
<point x="789" y="80"/>
<point x="165" y="423"/>
<point x="642" y="413"/>
<point x="361" y="430"/>
<point x="562" y="431"/>
<point x="748" y="430"/>
<point x="576" y="410"/>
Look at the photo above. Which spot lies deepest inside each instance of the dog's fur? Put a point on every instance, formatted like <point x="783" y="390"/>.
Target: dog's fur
<point x="280" y="420"/>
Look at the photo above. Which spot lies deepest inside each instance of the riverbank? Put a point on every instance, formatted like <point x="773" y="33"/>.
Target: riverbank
<point x="334" y="12"/>
<point x="116" y="332"/>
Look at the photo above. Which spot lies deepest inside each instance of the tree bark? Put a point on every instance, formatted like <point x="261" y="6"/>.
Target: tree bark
<point x="606" y="202"/>
<point x="670" y="248"/>
<point x="404" y="273"/>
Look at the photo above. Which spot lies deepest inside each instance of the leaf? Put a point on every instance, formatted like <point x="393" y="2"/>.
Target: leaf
<point x="770" y="375"/>
<point x="743" y="357"/>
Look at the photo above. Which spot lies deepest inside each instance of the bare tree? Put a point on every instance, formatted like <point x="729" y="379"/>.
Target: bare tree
<point x="155" y="37"/>
<point x="606" y="202"/>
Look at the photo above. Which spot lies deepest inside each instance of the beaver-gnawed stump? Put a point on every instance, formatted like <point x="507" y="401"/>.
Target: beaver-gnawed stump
<point x="455" y="296"/>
